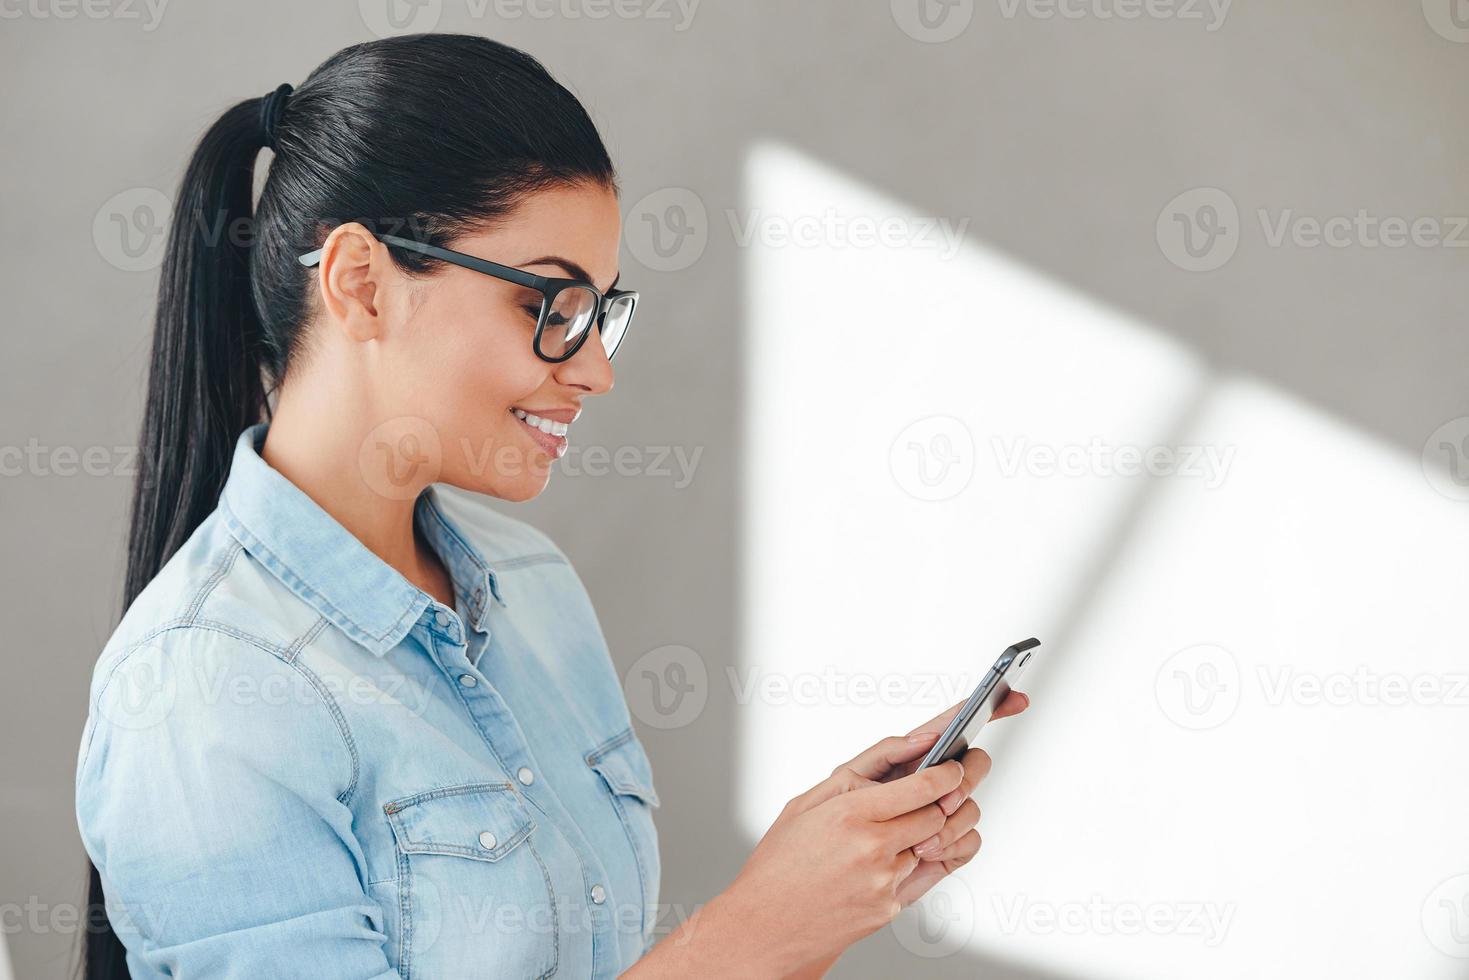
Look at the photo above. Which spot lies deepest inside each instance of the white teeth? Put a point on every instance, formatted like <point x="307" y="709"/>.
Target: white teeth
<point x="545" y="425"/>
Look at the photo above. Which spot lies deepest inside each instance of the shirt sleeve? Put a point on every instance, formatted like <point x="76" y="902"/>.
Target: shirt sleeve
<point x="212" y="789"/>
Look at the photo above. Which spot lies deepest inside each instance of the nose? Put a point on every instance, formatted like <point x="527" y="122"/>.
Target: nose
<point x="588" y="368"/>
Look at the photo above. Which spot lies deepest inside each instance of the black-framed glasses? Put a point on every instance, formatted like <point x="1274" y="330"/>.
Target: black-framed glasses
<point x="569" y="307"/>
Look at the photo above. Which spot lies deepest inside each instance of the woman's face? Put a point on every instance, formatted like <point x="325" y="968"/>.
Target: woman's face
<point x="453" y="363"/>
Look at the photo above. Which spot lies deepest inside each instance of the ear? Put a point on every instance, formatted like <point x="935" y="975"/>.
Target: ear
<point x="354" y="271"/>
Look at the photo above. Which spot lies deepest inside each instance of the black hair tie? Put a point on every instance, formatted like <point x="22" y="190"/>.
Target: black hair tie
<point x="271" y="108"/>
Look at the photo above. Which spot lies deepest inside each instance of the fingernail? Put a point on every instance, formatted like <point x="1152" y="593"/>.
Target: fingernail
<point x="923" y="737"/>
<point x="928" y="847"/>
<point x="950" y="803"/>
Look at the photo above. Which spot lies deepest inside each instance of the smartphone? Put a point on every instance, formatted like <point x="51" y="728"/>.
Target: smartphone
<point x="980" y="707"/>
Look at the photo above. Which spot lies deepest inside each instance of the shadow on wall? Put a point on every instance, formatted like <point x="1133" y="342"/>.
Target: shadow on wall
<point x="1243" y="211"/>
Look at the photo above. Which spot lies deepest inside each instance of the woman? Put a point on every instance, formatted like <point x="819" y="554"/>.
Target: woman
<point x="352" y="727"/>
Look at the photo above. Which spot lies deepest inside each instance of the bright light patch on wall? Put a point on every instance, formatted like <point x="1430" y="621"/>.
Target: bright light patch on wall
<point x="947" y="451"/>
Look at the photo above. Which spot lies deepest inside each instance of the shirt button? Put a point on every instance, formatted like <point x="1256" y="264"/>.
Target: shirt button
<point x="440" y="619"/>
<point x="487" y="840"/>
<point x="468" y="680"/>
<point x="525" y="776"/>
<point x="599" y="894"/>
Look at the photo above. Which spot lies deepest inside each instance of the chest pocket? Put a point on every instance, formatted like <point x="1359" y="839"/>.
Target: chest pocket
<point x="624" y="767"/>
<point x="475" y="899"/>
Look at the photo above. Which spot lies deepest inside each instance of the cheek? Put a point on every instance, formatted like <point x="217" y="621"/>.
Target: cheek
<point x="479" y="366"/>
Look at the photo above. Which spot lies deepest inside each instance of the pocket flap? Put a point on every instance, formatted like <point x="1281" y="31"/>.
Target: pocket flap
<point x="484" y="821"/>
<point x="622" y="762"/>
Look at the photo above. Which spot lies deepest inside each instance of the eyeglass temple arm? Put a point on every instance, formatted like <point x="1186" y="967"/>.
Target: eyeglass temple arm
<point x="518" y="276"/>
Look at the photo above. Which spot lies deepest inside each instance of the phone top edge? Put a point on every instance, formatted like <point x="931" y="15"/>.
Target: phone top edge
<point x="1022" y="646"/>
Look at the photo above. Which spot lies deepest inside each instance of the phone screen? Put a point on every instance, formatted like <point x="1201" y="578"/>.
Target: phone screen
<point x="981" y="706"/>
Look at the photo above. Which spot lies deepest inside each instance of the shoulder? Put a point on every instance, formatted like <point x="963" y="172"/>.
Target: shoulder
<point x="205" y="660"/>
<point x="211" y="586"/>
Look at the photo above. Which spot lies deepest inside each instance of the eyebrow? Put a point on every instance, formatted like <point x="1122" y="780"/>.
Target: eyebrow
<point x="574" y="270"/>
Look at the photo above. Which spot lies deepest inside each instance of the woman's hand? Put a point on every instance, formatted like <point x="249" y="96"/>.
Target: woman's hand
<point x="806" y="825"/>
<point x="828" y="871"/>
<point x="958" y="841"/>
<point x="839" y="862"/>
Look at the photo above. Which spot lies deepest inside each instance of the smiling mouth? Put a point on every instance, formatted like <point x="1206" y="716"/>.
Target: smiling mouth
<point x="548" y="426"/>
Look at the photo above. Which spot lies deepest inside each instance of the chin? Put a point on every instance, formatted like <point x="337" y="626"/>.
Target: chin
<point x="515" y="488"/>
<point x="521" y="490"/>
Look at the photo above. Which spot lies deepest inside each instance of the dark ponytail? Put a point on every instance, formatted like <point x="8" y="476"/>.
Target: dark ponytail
<point x="425" y="136"/>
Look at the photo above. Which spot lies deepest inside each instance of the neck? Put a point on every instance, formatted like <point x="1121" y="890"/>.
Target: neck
<point x="319" y="440"/>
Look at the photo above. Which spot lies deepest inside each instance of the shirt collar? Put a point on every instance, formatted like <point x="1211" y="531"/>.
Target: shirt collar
<point x="324" y="564"/>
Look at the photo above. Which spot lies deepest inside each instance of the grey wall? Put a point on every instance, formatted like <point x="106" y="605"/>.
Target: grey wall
<point x="1061" y="140"/>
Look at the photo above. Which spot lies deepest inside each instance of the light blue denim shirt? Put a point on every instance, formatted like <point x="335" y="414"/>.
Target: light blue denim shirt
<point x="297" y="764"/>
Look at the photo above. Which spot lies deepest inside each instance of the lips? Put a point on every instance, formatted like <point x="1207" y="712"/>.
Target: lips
<point x="549" y="435"/>
<point x="547" y="423"/>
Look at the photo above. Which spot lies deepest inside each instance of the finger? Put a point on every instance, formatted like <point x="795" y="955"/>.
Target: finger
<point x="904" y="864"/>
<point x="977" y="765"/>
<point x="1014" y="703"/>
<point x="956" y="826"/>
<point x="923" y="877"/>
<point x="961" y="852"/>
<point x="842" y="780"/>
<point x="939" y="721"/>
<point x="915" y="827"/>
<point x="877" y="761"/>
<point x="883" y="801"/>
